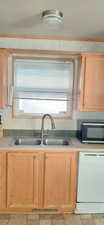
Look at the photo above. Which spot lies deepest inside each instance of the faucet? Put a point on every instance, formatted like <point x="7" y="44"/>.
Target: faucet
<point x="42" y="126"/>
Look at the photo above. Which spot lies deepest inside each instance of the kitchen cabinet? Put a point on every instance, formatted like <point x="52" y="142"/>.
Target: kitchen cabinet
<point x="3" y="80"/>
<point x="59" y="180"/>
<point x="22" y="182"/>
<point x="42" y="180"/>
<point x="92" y="85"/>
<point x="2" y="180"/>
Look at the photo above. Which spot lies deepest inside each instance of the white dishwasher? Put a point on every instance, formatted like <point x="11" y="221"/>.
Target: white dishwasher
<point x="90" y="193"/>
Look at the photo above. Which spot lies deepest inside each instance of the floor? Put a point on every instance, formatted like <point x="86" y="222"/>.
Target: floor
<point x="68" y="219"/>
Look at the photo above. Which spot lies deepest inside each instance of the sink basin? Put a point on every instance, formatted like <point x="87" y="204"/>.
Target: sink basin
<point x="56" y="141"/>
<point x="37" y="141"/>
<point x="27" y="141"/>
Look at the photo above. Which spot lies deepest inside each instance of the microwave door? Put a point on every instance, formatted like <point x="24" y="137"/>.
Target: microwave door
<point x="93" y="134"/>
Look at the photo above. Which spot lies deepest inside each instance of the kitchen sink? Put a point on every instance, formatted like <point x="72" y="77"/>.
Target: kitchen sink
<point x="56" y="141"/>
<point x="37" y="141"/>
<point x="43" y="140"/>
<point x="27" y="141"/>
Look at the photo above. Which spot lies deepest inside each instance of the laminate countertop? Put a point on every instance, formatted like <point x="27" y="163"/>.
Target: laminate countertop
<point x="7" y="144"/>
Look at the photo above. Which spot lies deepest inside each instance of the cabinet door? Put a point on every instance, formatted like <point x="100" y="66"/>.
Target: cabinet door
<point x="22" y="183"/>
<point x="3" y="80"/>
<point x="60" y="180"/>
<point x="92" y="92"/>
<point x="2" y="180"/>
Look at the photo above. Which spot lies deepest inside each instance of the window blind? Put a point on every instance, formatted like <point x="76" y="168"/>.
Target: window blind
<point x="43" y="86"/>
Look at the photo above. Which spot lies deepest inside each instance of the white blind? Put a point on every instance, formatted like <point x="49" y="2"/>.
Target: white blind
<point x="43" y="80"/>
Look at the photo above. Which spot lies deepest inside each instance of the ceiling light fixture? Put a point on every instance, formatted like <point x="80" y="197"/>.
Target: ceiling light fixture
<point x="52" y="16"/>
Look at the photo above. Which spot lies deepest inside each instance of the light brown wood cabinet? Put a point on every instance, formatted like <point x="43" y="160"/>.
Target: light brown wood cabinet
<point x="59" y="180"/>
<point x="22" y="181"/>
<point x="3" y="80"/>
<point x="2" y="180"/>
<point x="42" y="180"/>
<point x="92" y="86"/>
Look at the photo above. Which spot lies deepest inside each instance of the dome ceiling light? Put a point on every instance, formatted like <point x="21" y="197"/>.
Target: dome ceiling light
<point x="52" y="16"/>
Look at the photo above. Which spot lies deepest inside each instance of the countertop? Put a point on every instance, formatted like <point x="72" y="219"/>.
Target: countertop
<point x="7" y="144"/>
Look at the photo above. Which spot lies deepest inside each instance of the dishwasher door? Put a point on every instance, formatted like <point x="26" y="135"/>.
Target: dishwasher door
<point x="91" y="177"/>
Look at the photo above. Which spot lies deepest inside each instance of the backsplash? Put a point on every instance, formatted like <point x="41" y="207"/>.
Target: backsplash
<point x="35" y="124"/>
<point x="37" y="133"/>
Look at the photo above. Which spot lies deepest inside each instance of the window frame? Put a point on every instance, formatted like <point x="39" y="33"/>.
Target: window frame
<point x="43" y="56"/>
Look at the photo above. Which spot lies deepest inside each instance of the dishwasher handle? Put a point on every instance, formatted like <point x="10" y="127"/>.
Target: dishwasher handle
<point x="94" y="154"/>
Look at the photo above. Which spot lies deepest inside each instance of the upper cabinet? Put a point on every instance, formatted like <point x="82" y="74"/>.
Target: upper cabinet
<point x="92" y="83"/>
<point x="3" y="80"/>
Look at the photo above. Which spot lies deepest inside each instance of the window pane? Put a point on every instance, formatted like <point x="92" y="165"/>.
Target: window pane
<point x="42" y="106"/>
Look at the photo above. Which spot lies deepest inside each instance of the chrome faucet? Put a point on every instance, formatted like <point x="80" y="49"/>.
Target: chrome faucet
<point x="42" y="126"/>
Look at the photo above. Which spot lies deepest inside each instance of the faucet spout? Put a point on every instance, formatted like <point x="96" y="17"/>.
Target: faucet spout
<point x="42" y="126"/>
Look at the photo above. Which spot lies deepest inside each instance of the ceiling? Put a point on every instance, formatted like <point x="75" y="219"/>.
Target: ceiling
<point x="82" y="18"/>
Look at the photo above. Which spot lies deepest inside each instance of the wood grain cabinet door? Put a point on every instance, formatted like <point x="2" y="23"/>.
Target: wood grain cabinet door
<point x="22" y="182"/>
<point x="2" y="180"/>
<point x="3" y="80"/>
<point x="60" y="180"/>
<point x="92" y="91"/>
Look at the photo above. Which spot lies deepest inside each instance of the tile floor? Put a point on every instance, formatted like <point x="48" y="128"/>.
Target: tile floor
<point x="67" y="219"/>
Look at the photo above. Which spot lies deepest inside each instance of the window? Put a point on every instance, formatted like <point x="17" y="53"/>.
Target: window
<point x="43" y="86"/>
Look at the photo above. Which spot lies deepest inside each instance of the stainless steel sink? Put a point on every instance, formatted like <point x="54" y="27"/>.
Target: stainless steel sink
<point x="27" y="141"/>
<point x="56" y="141"/>
<point x="43" y="139"/>
<point x="37" y="141"/>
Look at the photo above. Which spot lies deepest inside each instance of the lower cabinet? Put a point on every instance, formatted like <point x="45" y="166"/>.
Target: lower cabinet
<point x="22" y="182"/>
<point x="59" y="180"/>
<point x="2" y="180"/>
<point x="41" y="180"/>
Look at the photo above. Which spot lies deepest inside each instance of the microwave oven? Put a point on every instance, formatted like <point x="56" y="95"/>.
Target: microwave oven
<point x="92" y="132"/>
